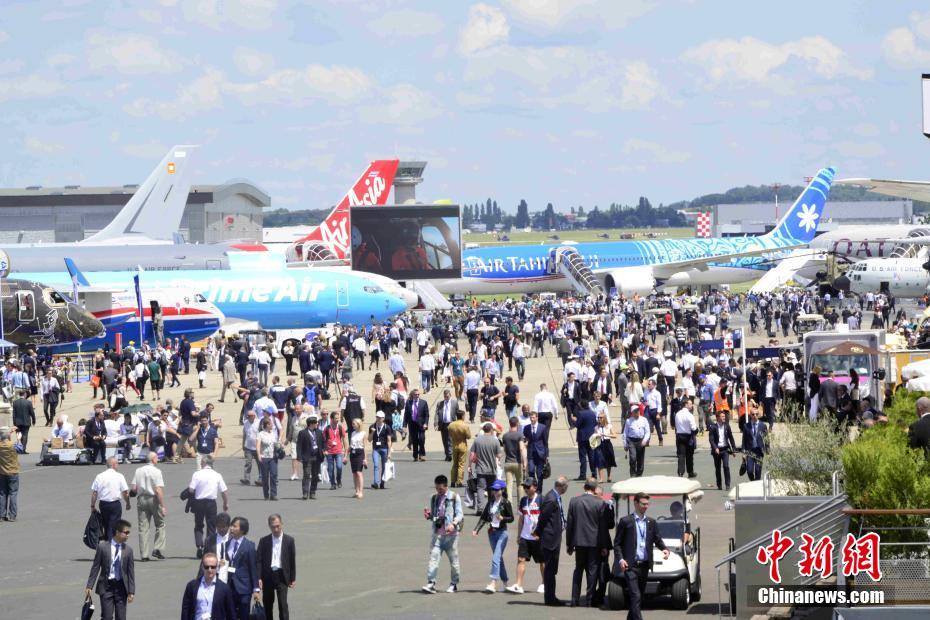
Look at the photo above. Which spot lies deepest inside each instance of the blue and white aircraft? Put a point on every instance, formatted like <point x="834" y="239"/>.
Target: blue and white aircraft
<point x="638" y="266"/>
<point x="275" y="298"/>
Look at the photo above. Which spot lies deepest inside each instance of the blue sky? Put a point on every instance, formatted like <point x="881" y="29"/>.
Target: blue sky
<point x="569" y="101"/>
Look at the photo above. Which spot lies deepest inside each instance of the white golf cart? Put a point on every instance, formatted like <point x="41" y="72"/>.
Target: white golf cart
<point x="680" y="574"/>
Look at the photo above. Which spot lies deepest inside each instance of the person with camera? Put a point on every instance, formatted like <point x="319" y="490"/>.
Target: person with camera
<point x="446" y="519"/>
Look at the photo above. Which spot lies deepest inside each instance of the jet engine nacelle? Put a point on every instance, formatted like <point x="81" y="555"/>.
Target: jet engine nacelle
<point x="631" y="280"/>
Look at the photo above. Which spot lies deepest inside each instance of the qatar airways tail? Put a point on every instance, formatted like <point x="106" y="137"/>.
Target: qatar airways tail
<point x="331" y="239"/>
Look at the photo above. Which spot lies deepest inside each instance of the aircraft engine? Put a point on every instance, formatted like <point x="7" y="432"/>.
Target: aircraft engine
<point x="630" y="280"/>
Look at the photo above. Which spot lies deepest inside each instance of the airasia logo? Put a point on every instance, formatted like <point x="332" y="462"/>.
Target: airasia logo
<point x="335" y="233"/>
<point x="371" y="195"/>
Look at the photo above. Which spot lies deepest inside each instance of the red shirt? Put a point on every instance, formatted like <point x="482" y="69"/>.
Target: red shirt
<point x="334" y="436"/>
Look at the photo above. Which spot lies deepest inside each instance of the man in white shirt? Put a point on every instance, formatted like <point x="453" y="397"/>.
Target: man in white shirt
<point x="635" y="440"/>
<point x="250" y="431"/>
<point x="472" y="386"/>
<point x="277" y="567"/>
<point x="202" y="492"/>
<point x="108" y="488"/>
<point x="653" y="399"/>
<point x="207" y="596"/>
<point x="149" y="486"/>
<point x="64" y="430"/>
<point x="685" y="432"/>
<point x="546" y="406"/>
<point x="396" y="363"/>
<point x="669" y="370"/>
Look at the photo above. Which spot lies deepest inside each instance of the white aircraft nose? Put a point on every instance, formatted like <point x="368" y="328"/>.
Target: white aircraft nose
<point x="409" y="297"/>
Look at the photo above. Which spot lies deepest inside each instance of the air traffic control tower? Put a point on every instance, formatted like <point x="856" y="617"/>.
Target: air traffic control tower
<point x="409" y="175"/>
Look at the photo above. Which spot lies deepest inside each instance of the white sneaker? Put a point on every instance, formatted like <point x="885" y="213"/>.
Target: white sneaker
<point x="293" y="476"/>
<point x="430" y="587"/>
<point x="514" y="589"/>
<point x="541" y="589"/>
<point x="491" y="588"/>
<point x="452" y="589"/>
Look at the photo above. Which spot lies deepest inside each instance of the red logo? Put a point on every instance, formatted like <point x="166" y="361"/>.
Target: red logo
<point x="774" y="552"/>
<point x="817" y="557"/>
<point x="860" y="555"/>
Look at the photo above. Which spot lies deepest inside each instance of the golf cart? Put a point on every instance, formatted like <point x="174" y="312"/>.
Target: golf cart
<point x="680" y="574"/>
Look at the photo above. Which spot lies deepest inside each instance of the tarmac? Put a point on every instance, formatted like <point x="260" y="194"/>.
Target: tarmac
<point x="355" y="558"/>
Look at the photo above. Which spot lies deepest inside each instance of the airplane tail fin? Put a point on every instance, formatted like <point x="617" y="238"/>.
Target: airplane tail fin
<point x="799" y="224"/>
<point x="155" y="210"/>
<point x="372" y="188"/>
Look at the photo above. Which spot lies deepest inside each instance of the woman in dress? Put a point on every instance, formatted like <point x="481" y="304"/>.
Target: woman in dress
<point x="267" y="460"/>
<point x="357" y="457"/>
<point x="604" y="455"/>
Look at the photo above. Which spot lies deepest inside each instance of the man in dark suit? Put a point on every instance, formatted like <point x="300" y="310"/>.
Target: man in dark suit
<point x="95" y="435"/>
<point x="536" y="435"/>
<point x="114" y="571"/>
<point x="277" y="565"/>
<point x="755" y="443"/>
<point x="721" y="444"/>
<point x="549" y="532"/>
<point x="416" y="419"/>
<point x="633" y="542"/>
<point x="24" y="417"/>
<point x="585" y="425"/>
<point x="194" y="606"/>
<point x="243" y="568"/>
<point x="569" y="397"/>
<point x="584" y="538"/>
<point x="829" y="394"/>
<point x="310" y="446"/>
<point x="603" y="385"/>
<point x="918" y="434"/>
<point x="446" y="413"/>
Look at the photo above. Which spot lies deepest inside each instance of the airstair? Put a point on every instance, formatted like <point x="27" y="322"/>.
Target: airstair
<point x="430" y="297"/>
<point x="567" y="261"/>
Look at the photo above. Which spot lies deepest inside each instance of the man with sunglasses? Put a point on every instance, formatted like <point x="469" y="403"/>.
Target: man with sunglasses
<point x="114" y="571"/>
<point x="207" y="596"/>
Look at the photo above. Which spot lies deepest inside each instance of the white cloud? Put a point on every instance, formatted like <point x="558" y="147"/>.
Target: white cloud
<point x="901" y="50"/>
<point x="203" y="94"/>
<point x="752" y="60"/>
<point x="486" y="26"/>
<point x="296" y="87"/>
<point x="639" y="86"/>
<point x="251" y="61"/>
<point x="920" y="23"/>
<point x="248" y="14"/>
<point x="38" y="147"/>
<point x="554" y="14"/>
<point x="130" y="53"/>
<point x="146" y="150"/>
<point x="400" y="23"/>
<point x="29" y="87"/>
<point x="404" y="105"/>
<point x="653" y="152"/>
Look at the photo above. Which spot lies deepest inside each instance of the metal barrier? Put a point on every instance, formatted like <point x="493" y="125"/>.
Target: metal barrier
<point x="905" y="564"/>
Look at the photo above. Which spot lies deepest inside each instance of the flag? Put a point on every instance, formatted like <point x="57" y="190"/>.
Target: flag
<point x="140" y="310"/>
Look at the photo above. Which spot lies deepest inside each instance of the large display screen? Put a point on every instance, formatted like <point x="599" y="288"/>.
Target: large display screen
<point x="408" y="243"/>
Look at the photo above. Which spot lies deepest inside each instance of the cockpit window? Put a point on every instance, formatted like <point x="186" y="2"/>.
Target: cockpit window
<point x="373" y="289"/>
<point x="200" y="298"/>
<point x="53" y="297"/>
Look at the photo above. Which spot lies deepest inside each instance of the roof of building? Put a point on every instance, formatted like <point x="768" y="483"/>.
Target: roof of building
<point x="75" y="194"/>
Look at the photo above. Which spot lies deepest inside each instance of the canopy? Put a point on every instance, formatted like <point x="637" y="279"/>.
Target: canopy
<point x="659" y="485"/>
<point x="848" y="348"/>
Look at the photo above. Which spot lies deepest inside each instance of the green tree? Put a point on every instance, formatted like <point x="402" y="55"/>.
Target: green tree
<point x="523" y="215"/>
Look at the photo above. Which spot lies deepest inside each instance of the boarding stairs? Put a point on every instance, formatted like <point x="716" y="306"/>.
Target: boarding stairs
<point x="567" y="261"/>
<point x="430" y="297"/>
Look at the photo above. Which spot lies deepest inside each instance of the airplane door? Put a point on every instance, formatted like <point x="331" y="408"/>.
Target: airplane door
<point x="214" y="264"/>
<point x="27" y="306"/>
<point x="342" y="294"/>
<point x="158" y="326"/>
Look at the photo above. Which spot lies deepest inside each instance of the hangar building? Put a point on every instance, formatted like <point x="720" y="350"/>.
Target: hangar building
<point x="232" y="210"/>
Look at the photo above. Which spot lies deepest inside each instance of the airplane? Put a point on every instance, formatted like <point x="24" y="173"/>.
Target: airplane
<point x="167" y="313"/>
<point x="330" y="240"/>
<point x="34" y="315"/>
<point x="636" y="266"/>
<point x="280" y="299"/>
<point x="901" y="277"/>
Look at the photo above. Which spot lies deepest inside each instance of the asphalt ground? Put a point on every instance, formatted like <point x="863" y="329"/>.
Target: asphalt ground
<point x="356" y="558"/>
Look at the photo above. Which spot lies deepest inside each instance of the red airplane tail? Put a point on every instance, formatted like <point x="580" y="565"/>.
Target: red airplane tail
<point x="331" y="239"/>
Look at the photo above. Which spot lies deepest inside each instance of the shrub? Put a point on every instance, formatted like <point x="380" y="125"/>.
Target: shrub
<point x="807" y="454"/>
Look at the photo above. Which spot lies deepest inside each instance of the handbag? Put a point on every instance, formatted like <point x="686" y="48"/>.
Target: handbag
<point x="87" y="611"/>
<point x="546" y="470"/>
<point x="95" y="380"/>
<point x="279" y="453"/>
<point x="258" y="612"/>
<point x="390" y="471"/>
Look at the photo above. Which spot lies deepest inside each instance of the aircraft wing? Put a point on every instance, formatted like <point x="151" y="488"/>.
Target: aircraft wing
<point x="919" y="240"/>
<point x="667" y="270"/>
<point x="911" y="190"/>
<point x="786" y="269"/>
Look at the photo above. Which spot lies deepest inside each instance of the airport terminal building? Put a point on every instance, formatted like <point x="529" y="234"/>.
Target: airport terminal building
<point x="232" y="210"/>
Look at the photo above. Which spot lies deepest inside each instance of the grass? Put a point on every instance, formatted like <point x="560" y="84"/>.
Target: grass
<point x="576" y="235"/>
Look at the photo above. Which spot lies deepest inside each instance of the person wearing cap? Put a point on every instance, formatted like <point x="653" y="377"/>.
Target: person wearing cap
<point x="528" y="547"/>
<point x="310" y="445"/>
<point x="380" y="436"/>
<point x="497" y="513"/>
<point x="668" y="368"/>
